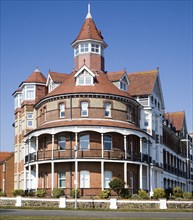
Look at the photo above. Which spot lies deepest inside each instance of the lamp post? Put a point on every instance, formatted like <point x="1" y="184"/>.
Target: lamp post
<point x="76" y="175"/>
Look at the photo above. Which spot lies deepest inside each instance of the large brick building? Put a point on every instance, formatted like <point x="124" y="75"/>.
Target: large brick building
<point x="7" y="172"/>
<point x="83" y="128"/>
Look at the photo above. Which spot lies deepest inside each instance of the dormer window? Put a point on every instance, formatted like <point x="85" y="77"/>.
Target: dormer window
<point x="123" y="83"/>
<point x="85" y="79"/>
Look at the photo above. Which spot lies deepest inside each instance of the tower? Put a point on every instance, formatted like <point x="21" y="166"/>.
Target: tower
<point x="89" y="46"/>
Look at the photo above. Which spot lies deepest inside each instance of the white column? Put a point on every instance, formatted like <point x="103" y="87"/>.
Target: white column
<point x="52" y="171"/>
<point x="102" y="175"/>
<point x="141" y="148"/>
<point x="29" y="177"/>
<point x="102" y="145"/>
<point x="151" y="181"/>
<point x="37" y="175"/>
<point x="24" y="152"/>
<point x="36" y="148"/>
<point x="52" y="146"/>
<point x="24" y="178"/>
<point x="148" y="178"/>
<point x="125" y="173"/>
<point x="125" y="146"/>
<point x="29" y="147"/>
<point x="140" y="176"/>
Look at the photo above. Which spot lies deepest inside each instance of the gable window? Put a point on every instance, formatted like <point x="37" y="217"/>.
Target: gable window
<point x="61" y="110"/>
<point x="107" y="142"/>
<point x="84" y="179"/>
<point x="107" y="178"/>
<point x="95" y="48"/>
<point x="30" y="92"/>
<point x="84" y="108"/>
<point x="85" y="79"/>
<point x="107" y="109"/>
<point x="61" y="179"/>
<point x="123" y="85"/>
<point x="29" y="120"/>
<point x="84" y="48"/>
<point x="62" y="142"/>
<point x="84" y="141"/>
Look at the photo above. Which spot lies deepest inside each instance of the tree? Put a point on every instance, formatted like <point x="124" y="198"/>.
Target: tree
<point x="117" y="185"/>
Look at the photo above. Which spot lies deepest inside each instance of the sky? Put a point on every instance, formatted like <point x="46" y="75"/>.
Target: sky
<point x="141" y="35"/>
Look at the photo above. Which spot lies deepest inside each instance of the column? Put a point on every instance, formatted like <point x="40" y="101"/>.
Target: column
<point x="125" y="173"/>
<point x="29" y="177"/>
<point x="141" y="148"/>
<point x="36" y="148"/>
<point x="102" y="146"/>
<point x="125" y="146"/>
<point x="24" y="151"/>
<point x="52" y="174"/>
<point x="24" y="178"/>
<point x="151" y="181"/>
<point x="52" y="146"/>
<point x="102" y="175"/>
<point x="148" y="179"/>
<point x="37" y="175"/>
<point x="140" y="176"/>
<point x="29" y="147"/>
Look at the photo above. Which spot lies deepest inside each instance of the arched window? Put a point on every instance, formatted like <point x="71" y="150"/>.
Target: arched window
<point x="84" y="108"/>
<point x="107" y="142"/>
<point x="62" y="142"/>
<point x="108" y="175"/>
<point x="61" y="110"/>
<point x="84" y="179"/>
<point x="107" y="109"/>
<point x="84" y="141"/>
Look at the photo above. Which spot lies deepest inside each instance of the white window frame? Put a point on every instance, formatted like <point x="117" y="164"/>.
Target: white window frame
<point x="29" y="89"/>
<point x="61" y="178"/>
<point x="84" y="141"/>
<point x="84" y="48"/>
<point x="108" y="176"/>
<point x="61" y="140"/>
<point x="84" y="179"/>
<point x="62" y="110"/>
<point x="29" y="117"/>
<point x="107" y="141"/>
<point x="85" y="79"/>
<point x="84" y="108"/>
<point x="95" y="48"/>
<point x="107" y="109"/>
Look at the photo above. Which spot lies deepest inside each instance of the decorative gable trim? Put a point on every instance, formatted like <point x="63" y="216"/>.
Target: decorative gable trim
<point x="84" y="68"/>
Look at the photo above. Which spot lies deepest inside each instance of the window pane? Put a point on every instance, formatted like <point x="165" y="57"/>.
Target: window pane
<point x="62" y="143"/>
<point x="84" y="179"/>
<point x="107" y="142"/>
<point x="84" y="108"/>
<point x="62" y="110"/>
<point x="84" y="142"/>
<point x="107" y="178"/>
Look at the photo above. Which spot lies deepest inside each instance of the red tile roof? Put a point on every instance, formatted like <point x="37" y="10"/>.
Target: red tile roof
<point x="58" y="77"/>
<point x="36" y="77"/>
<point x="177" y="118"/>
<point x="4" y="155"/>
<point x="142" y="83"/>
<point x="115" y="76"/>
<point x="83" y="122"/>
<point x="89" y="31"/>
<point x="102" y="85"/>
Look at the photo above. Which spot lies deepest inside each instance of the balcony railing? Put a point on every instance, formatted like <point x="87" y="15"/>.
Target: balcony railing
<point x="115" y="154"/>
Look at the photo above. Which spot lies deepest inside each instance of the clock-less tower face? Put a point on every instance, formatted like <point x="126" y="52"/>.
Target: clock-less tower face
<point x="89" y="46"/>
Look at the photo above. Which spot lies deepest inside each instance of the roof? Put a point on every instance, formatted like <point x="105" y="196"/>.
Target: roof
<point x="58" y="77"/>
<point x="5" y="155"/>
<point x="89" y="31"/>
<point x="102" y="85"/>
<point x="115" y="76"/>
<point x="177" y="118"/>
<point x="36" y="77"/>
<point x="142" y="83"/>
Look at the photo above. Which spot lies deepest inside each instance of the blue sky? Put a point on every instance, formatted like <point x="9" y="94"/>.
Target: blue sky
<point x="141" y="35"/>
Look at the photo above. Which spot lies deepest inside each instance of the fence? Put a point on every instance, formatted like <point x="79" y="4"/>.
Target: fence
<point x="112" y="203"/>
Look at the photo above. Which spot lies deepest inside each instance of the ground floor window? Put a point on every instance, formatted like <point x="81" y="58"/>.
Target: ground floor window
<point x="62" y="179"/>
<point x="107" y="178"/>
<point x="84" y="179"/>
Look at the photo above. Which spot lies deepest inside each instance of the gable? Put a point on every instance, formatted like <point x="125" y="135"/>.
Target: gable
<point x="84" y="76"/>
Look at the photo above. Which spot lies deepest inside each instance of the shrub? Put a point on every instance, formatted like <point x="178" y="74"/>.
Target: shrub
<point x="31" y="194"/>
<point x="117" y="185"/>
<point x="158" y="193"/>
<point x="125" y="193"/>
<point x="143" y="194"/>
<point x="168" y="192"/>
<point x="135" y="196"/>
<point x="40" y="193"/>
<point x="72" y="193"/>
<point x="18" y="192"/>
<point x="177" y="192"/>
<point x="187" y="195"/>
<point x="2" y="193"/>
<point x="105" y="194"/>
<point x="57" y="192"/>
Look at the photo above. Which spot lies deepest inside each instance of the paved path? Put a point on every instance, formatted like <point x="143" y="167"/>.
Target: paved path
<point x="97" y="214"/>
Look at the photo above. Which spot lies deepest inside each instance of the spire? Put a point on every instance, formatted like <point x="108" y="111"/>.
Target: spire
<point x="88" y="14"/>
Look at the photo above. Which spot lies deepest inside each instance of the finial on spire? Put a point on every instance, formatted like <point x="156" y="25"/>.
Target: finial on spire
<point x="36" y="70"/>
<point x="88" y="14"/>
